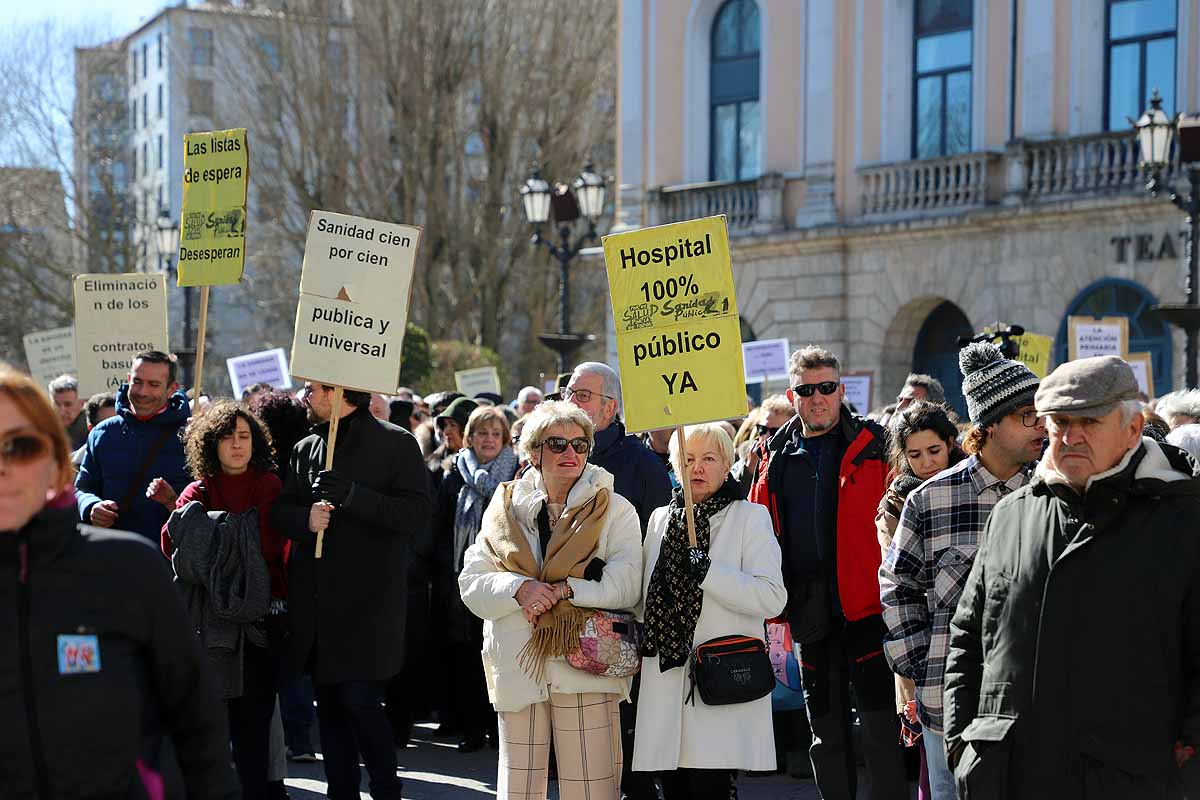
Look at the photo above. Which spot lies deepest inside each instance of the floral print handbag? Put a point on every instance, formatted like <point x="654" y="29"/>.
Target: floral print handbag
<point x="610" y="644"/>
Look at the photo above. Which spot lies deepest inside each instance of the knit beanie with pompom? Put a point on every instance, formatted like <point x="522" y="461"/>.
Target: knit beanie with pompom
<point x="993" y="385"/>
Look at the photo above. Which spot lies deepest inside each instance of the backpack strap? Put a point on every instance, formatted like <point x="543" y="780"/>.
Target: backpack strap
<point x="144" y="468"/>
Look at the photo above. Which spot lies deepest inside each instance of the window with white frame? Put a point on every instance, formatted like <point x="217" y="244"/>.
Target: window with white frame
<point x="1139" y="58"/>
<point x="942" y="45"/>
<point x="735" y="119"/>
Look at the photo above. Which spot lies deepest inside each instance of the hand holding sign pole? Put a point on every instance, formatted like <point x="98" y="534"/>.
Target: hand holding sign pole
<point x="354" y="294"/>
<point x="679" y="340"/>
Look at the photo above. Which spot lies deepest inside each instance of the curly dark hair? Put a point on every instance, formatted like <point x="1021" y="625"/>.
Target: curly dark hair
<point x="219" y="420"/>
<point x="286" y="421"/>
<point x="920" y="416"/>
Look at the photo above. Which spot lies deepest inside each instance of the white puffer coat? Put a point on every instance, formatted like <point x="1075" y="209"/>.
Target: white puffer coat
<point x="489" y="592"/>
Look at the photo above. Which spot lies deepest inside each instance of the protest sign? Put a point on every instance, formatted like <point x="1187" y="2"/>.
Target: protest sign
<point x="354" y="292"/>
<point x="116" y="317"/>
<point x="473" y="381"/>
<point x="354" y="289"/>
<point x="765" y="359"/>
<point x="1035" y="352"/>
<point x="679" y="341"/>
<point x="212" y="237"/>
<point x="1097" y="336"/>
<point x="858" y="391"/>
<point x="1143" y="370"/>
<point x="266" y="366"/>
<point x="50" y="353"/>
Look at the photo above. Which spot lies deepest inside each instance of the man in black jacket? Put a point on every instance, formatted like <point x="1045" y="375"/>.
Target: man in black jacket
<point x="348" y="607"/>
<point x="1074" y="665"/>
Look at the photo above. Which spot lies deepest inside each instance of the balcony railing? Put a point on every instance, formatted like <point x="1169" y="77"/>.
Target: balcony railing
<point x="931" y="185"/>
<point x="1096" y="164"/>
<point x="737" y="201"/>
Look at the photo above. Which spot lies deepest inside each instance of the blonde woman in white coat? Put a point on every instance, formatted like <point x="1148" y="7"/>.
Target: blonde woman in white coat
<point x="554" y="544"/>
<point x="728" y="585"/>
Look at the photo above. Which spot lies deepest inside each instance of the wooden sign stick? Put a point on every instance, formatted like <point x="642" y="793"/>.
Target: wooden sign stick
<point x="335" y="416"/>
<point x="199" y="361"/>
<point x="685" y="479"/>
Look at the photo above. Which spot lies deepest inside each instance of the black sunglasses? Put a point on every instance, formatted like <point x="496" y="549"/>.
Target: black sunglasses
<point x="766" y="430"/>
<point x="558" y="444"/>
<point x="824" y="387"/>
<point x="23" y="448"/>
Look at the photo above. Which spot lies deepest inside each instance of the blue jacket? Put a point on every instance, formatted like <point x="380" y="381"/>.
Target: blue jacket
<point x="638" y="475"/>
<point x="114" y="452"/>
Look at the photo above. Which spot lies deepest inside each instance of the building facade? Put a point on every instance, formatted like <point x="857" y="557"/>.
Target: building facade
<point x="898" y="173"/>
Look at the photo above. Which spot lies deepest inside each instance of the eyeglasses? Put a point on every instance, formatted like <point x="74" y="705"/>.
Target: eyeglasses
<point x="765" y="430"/>
<point x="582" y="395"/>
<point x="23" y="448"/>
<point x="824" y="387"/>
<point x="558" y="444"/>
<point x="1029" y="419"/>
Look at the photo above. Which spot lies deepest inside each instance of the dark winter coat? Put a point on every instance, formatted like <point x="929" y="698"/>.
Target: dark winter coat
<point x="1074" y="662"/>
<point x="115" y="451"/>
<point x="350" y="605"/>
<point x="81" y="734"/>
<point x="638" y="475"/>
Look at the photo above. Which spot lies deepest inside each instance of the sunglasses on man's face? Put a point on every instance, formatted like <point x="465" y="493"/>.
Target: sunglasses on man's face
<point x="558" y="444"/>
<point x="23" y="448"/>
<point x="824" y="387"/>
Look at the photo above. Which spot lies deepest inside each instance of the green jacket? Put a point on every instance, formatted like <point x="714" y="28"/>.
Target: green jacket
<point x="1074" y="662"/>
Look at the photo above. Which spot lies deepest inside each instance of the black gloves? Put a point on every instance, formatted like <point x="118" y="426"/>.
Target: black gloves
<point x="698" y="563"/>
<point x="332" y="487"/>
<point x="594" y="571"/>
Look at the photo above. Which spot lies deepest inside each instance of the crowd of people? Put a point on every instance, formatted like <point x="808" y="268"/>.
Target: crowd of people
<point x="1006" y="606"/>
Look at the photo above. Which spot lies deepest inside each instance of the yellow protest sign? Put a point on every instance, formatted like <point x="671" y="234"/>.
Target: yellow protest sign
<point x="212" y="236"/>
<point x="679" y="340"/>
<point x="1035" y="352"/>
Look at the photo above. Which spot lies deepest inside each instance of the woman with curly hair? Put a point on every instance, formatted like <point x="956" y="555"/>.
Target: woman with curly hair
<point x="229" y="454"/>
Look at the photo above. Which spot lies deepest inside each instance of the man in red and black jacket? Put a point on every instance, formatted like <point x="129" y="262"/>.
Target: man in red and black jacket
<point x="822" y="479"/>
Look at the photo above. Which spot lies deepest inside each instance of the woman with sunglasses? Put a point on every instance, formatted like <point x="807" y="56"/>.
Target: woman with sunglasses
<point x="99" y="670"/>
<point x="553" y="544"/>
<point x="485" y="462"/>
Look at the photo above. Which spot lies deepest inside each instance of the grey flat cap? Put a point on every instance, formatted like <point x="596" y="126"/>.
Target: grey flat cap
<point x="1088" y="387"/>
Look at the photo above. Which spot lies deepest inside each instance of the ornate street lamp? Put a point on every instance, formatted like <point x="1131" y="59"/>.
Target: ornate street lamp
<point x="167" y="238"/>
<point x="585" y="202"/>
<point x="1160" y="139"/>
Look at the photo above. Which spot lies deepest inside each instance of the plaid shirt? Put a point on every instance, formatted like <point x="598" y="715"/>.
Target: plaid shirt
<point x="926" y="568"/>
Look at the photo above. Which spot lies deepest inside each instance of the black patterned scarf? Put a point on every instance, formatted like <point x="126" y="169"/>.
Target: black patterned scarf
<point x="674" y="597"/>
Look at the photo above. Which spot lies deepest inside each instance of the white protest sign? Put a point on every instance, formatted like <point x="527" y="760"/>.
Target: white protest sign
<point x="50" y="353"/>
<point x="353" y="306"/>
<point x="858" y="391"/>
<point x="1143" y="370"/>
<point x="1088" y="337"/>
<point x="765" y="359"/>
<point x="117" y="316"/>
<point x="473" y="381"/>
<point x="266" y="366"/>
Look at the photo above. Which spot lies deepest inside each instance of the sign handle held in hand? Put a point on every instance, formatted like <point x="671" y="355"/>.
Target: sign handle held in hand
<point x="335" y="416"/>
<point x="686" y="481"/>
<point x="199" y="362"/>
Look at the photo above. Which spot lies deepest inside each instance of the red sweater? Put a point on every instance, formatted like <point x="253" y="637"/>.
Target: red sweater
<point x="239" y="493"/>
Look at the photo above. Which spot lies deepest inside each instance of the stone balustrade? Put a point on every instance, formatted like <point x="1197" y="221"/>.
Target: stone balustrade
<point x="751" y="207"/>
<point x="919" y="188"/>
<point x="1102" y="163"/>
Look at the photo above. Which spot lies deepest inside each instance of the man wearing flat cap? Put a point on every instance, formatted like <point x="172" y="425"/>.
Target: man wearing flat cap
<point x="1074" y="665"/>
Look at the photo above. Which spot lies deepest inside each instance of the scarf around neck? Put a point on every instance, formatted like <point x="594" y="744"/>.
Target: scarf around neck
<point x="674" y="597"/>
<point x="573" y="544"/>
<point x="479" y="483"/>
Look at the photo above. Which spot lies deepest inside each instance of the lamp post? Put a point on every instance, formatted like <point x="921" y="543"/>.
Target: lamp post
<point x="167" y="238"/>
<point x="1155" y="132"/>
<point x="584" y="199"/>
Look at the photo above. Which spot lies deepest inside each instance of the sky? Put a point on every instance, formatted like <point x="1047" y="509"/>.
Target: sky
<point x="120" y="15"/>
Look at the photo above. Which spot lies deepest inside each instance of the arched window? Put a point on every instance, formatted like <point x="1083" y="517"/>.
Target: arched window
<point x="936" y="351"/>
<point x="1148" y="332"/>
<point x="735" y="119"/>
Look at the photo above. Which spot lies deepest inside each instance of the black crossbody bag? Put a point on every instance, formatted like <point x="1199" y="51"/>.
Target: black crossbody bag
<point x="730" y="669"/>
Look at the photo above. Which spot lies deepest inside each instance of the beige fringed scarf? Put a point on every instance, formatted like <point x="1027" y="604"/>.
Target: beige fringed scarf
<point x="572" y="546"/>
